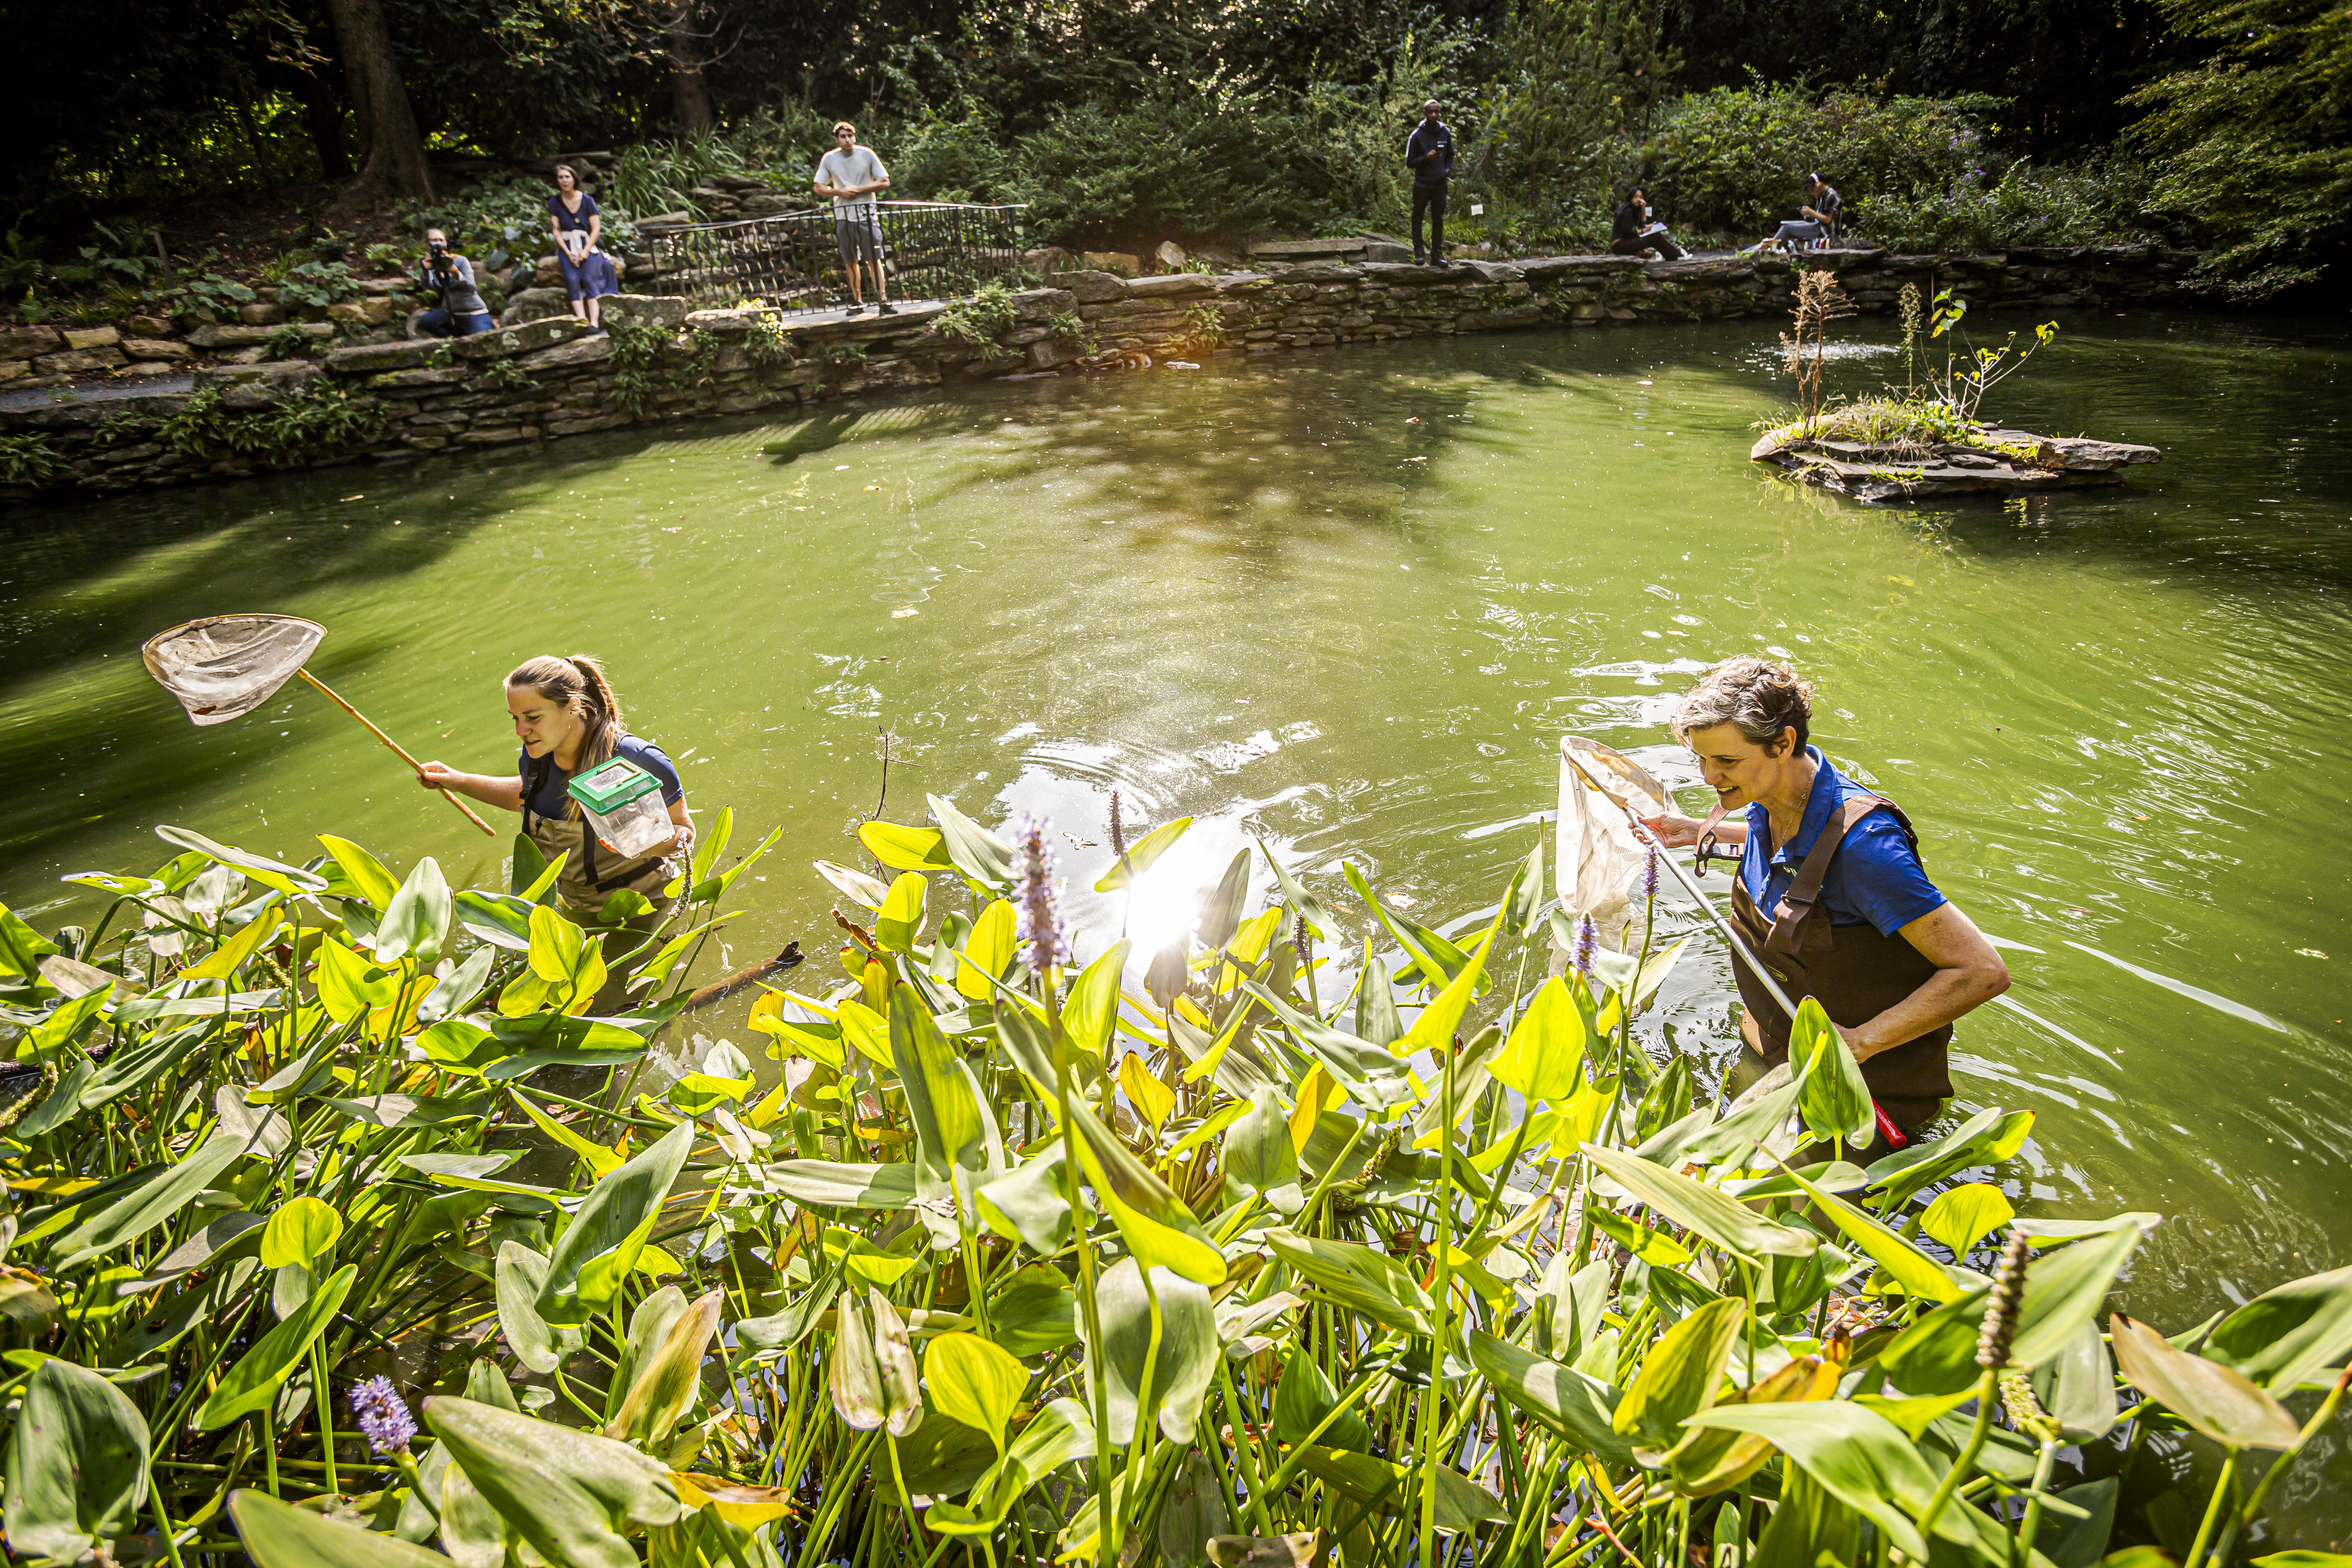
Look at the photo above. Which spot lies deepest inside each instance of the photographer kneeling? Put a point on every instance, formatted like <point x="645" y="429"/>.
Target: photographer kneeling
<point x="461" y="311"/>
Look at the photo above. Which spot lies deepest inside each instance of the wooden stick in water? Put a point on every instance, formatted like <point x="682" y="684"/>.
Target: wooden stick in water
<point x="329" y="693"/>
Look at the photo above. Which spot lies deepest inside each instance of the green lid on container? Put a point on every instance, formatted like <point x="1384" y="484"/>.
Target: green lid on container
<point x="614" y="785"/>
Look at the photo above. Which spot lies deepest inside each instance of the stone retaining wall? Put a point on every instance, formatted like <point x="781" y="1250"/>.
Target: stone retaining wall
<point x="528" y="382"/>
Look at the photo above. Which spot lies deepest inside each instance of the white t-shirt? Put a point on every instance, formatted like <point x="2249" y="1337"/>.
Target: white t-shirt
<point x="858" y="166"/>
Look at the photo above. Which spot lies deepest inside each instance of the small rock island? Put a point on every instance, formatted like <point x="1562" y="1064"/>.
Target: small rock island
<point x="2007" y="462"/>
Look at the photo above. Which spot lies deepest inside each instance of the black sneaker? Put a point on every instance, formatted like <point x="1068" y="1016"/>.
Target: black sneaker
<point x="885" y="308"/>
<point x="1419" y="260"/>
<point x="854" y="311"/>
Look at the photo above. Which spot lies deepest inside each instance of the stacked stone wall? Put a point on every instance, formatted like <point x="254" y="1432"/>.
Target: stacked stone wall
<point x="541" y="380"/>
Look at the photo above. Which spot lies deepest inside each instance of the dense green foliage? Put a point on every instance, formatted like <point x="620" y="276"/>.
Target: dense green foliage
<point x="2257" y="143"/>
<point x="2009" y="123"/>
<point x="1006" y="1260"/>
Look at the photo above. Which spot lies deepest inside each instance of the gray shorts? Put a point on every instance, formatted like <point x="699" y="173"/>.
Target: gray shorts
<point x="860" y="239"/>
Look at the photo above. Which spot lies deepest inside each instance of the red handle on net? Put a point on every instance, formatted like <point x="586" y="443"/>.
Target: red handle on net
<point x="1886" y="1128"/>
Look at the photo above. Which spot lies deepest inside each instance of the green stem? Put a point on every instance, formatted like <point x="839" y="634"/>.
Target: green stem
<point x="2022" y="1549"/>
<point x="1428" y="1426"/>
<point x="324" y="1398"/>
<point x="2213" y="1508"/>
<point x="1096" y="1374"/>
<point x="1987" y="1391"/>
<point x="2319" y="1418"/>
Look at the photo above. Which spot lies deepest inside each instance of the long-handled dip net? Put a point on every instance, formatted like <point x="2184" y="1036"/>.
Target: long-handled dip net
<point x="224" y="666"/>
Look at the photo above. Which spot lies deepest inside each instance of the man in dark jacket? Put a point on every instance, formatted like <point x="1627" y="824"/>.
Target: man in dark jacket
<point x="1429" y="153"/>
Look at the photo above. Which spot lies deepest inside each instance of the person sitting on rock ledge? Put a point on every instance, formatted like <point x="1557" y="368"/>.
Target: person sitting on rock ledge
<point x="461" y="313"/>
<point x="1819" y="220"/>
<point x="1636" y="232"/>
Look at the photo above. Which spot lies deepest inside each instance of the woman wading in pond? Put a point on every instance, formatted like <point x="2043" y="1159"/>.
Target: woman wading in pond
<point x="1831" y="896"/>
<point x="569" y="722"/>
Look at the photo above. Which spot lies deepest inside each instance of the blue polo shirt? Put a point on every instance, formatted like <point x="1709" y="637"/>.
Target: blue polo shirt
<point x="554" y="791"/>
<point x="1876" y="875"/>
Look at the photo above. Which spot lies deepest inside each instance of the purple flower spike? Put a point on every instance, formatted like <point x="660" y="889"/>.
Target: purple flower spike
<point x="1036" y="916"/>
<point x="1588" y="937"/>
<point x="1650" y="874"/>
<point x="384" y="1420"/>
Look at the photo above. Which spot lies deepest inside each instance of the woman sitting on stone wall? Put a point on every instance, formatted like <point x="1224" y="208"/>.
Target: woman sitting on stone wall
<point x="579" y="230"/>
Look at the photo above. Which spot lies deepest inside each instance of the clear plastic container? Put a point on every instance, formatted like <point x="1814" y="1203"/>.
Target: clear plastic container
<point x="623" y="806"/>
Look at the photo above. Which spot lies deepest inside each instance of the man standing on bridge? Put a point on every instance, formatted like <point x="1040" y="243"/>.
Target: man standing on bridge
<point x="850" y="174"/>
<point x="1429" y="153"/>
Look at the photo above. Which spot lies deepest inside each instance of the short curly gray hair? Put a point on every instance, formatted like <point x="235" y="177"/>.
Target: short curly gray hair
<point x="1764" y="700"/>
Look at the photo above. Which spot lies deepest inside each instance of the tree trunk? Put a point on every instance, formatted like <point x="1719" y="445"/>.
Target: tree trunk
<point x="324" y="117"/>
<point x="689" y="49"/>
<point x="392" y="151"/>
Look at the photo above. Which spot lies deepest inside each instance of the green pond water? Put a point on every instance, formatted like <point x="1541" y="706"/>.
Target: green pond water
<point x="1349" y="602"/>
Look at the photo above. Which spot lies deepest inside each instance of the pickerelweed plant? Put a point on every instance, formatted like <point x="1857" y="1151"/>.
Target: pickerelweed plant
<point x="343" y="1231"/>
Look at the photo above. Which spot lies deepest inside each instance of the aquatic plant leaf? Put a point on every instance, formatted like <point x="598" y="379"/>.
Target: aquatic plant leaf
<point x="279" y="1535"/>
<point x="1961" y="1216"/>
<point x="1712" y="1459"/>
<point x="2288" y="1333"/>
<point x="573" y="1496"/>
<point x="1680" y="1375"/>
<point x="900" y="917"/>
<point x="941" y="1102"/>
<point x="2083" y="1387"/>
<point x="1193" y="1514"/>
<point x="77" y="1467"/>
<point x="974" y="1382"/>
<point x="1578" y="1407"/>
<point x="894" y="1361"/>
<point x="1296" y="1550"/>
<point x="663" y="1384"/>
<point x="1460" y="1503"/>
<point x="835" y="1184"/>
<point x="1140" y="855"/>
<point x="1356" y="1277"/>
<point x="1368" y="1072"/>
<point x="286" y="879"/>
<point x="1834" y="1101"/>
<point x="599" y="1247"/>
<point x="854" y="884"/>
<point x="1091" y="1007"/>
<point x="501" y="919"/>
<point x="516" y="1276"/>
<point x="976" y="852"/>
<point x="1857" y="1455"/>
<point x="1261" y="1157"/>
<point x="856" y="1379"/>
<point x="1303" y="1397"/>
<point x="1157" y="1227"/>
<point x="2064" y="1291"/>
<point x="1710" y="1211"/>
<point x="1297" y="899"/>
<point x="416" y="922"/>
<point x="252" y="1382"/>
<point x="1810" y="1524"/>
<point x="905" y="849"/>
<point x="237" y="951"/>
<point x="303" y="1230"/>
<point x="1919" y="1275"/>
<point x="987" y="954"/>
<point x="156" y="1200"/>
<point x="1985" y="1139"/>
<point x="1544" y="1057"/>
<point x="2212" y="1398"/>
<point x="1150" y="1099"/>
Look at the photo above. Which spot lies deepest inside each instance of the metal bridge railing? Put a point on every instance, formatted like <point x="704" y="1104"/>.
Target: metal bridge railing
<point x="792" y="262"/>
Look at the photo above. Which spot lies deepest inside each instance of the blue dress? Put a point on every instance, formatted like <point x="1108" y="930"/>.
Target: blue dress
<point x="593" y="275"/>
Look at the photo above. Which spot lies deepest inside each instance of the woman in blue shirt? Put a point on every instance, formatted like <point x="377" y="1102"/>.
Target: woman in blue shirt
<point x="569" y="722"/>
<point x="578" y="231"/>
<point x="1831" y="894"/>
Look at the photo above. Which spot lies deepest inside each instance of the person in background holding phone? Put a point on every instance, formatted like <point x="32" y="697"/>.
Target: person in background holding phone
<point x="1429" y="153"/>
<point x="850" y="174"/>
<point x="461" y="313"/>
